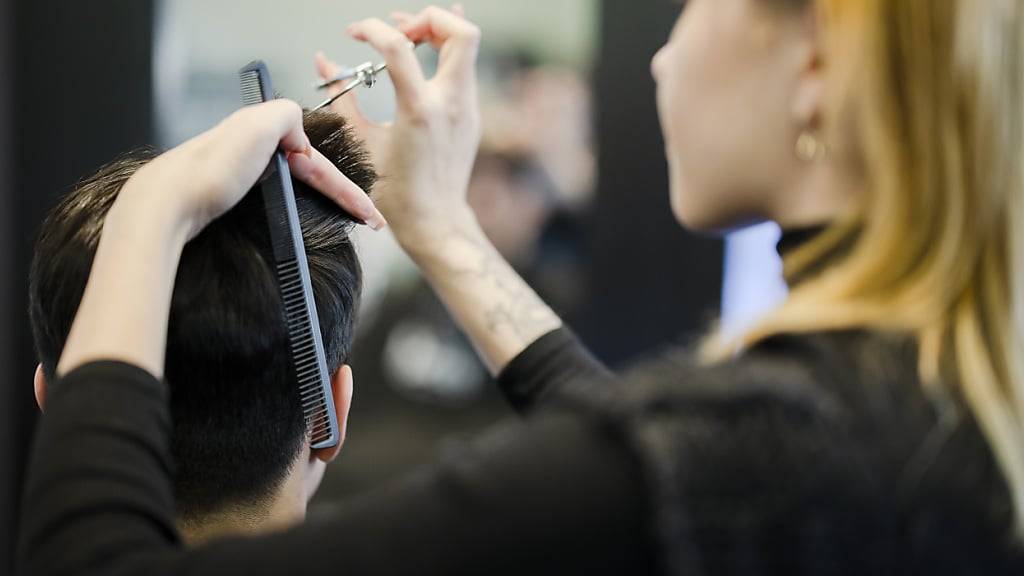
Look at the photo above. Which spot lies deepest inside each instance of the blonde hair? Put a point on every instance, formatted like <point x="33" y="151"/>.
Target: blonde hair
<point x="928" y="104"/>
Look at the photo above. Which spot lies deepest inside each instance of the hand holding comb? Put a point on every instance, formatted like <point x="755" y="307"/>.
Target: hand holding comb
<point x="309" y="365"/>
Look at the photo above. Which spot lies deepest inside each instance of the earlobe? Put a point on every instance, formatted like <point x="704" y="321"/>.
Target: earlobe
<point x="39" y="384"/>
<point x="341" y="387"/>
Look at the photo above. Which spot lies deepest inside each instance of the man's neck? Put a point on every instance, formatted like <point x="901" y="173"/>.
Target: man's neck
<point x="284" y="510"/>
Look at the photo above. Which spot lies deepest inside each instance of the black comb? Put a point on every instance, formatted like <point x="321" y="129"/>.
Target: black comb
<point x="306" y="343"/>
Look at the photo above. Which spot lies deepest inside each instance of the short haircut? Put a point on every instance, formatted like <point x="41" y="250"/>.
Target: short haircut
<point x="238" y="422"/>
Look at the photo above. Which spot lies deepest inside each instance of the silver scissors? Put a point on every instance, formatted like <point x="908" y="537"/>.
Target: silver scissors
<point x="363" y="75"/>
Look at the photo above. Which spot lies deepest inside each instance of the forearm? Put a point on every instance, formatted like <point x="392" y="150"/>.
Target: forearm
<point x="124" y="310"/>
<point x="495" y="307"/>
<point x="522" y="499"/>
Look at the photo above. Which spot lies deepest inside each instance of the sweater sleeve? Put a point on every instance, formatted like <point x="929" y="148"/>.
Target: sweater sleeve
<point x="555" y="494"/>
<point x="554" y="360"/>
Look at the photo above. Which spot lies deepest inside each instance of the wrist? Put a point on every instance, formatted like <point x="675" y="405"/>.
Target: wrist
<point x="146" y="216"/>
<point x="443" y="249"/>
<point x="425" y="237"/>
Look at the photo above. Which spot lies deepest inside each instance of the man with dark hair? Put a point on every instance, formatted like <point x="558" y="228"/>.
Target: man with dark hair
<point x="240" y="442"/>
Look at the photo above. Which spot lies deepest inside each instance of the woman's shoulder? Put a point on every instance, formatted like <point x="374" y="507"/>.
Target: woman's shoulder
<point x="828" y="436"/>
<point x="832" y="375"/>
<point x="850" y="400"/>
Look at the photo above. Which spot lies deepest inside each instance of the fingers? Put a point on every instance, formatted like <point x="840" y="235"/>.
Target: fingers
<point x="239" y="148"/>
<point x="284" y="119"/>
<point x="347" y="105"/>
<point x="394" y="46"/>
<point x="400" y="16"/>
<point x="326" y="68"/>
<point x="277" y="123"/>
<point x="319" y="173"/>
<point x="263" y="128"/>
<point x="458" y="39"/>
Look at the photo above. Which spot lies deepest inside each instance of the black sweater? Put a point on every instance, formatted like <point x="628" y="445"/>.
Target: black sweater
<point x="809" y="455"/>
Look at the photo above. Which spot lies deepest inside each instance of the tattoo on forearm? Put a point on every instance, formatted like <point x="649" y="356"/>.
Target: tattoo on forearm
<point x="513" y="306"/>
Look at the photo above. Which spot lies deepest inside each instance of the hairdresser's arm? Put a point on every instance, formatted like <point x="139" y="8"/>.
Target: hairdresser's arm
<point x="558" y="495"/>
<point x="99" y="497"/>
<point x="425" y="158"/>
<point x="124" y="309"/>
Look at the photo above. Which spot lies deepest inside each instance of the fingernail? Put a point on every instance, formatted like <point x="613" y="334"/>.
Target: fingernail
<point x="377" y="222"/>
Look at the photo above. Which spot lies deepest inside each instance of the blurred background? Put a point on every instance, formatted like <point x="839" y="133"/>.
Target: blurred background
<point x="571" y="185"/>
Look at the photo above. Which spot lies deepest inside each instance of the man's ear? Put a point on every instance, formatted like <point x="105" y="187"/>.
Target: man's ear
<point x="39" y="384"/>
<point x="341" y="388"/>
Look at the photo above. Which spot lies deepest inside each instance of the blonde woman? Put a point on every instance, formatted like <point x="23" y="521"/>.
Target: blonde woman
<point x="873" y="424"/>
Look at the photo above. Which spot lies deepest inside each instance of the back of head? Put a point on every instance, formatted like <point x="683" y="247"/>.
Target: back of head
<point x="238" y="423"/>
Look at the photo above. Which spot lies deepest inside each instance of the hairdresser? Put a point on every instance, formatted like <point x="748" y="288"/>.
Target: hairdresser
<point x="872" y="425"/>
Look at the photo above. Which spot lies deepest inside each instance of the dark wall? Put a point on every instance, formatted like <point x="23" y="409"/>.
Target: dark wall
<point x="651" y="283"/>
<point x="80" y="93"/>
<point x="7" y="431"/>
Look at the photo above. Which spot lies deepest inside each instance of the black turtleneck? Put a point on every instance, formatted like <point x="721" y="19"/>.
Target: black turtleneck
<point x="793" y="238"/>
<point x="815" y="454"/>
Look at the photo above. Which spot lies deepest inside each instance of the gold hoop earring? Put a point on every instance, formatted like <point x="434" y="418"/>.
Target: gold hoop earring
<point x="809" y="148"/>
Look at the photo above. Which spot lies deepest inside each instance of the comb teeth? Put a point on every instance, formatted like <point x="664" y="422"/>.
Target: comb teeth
<point x="299" y="307"/>
<point x="312" y="388"/>
<point x="252" y="91"/>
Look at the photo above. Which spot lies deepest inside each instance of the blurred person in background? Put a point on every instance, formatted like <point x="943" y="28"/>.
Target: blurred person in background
<point x="872" y="424"/>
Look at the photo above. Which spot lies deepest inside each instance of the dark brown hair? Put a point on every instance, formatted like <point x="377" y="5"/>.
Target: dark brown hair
<point x="238" y="426"/>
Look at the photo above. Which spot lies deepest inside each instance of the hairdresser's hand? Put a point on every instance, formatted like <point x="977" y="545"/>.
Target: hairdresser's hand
<point x="124" y="311"/>
<point x="204" y="177"/>
<point x="427" y="154"/>
<point x="425" y="159"/>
